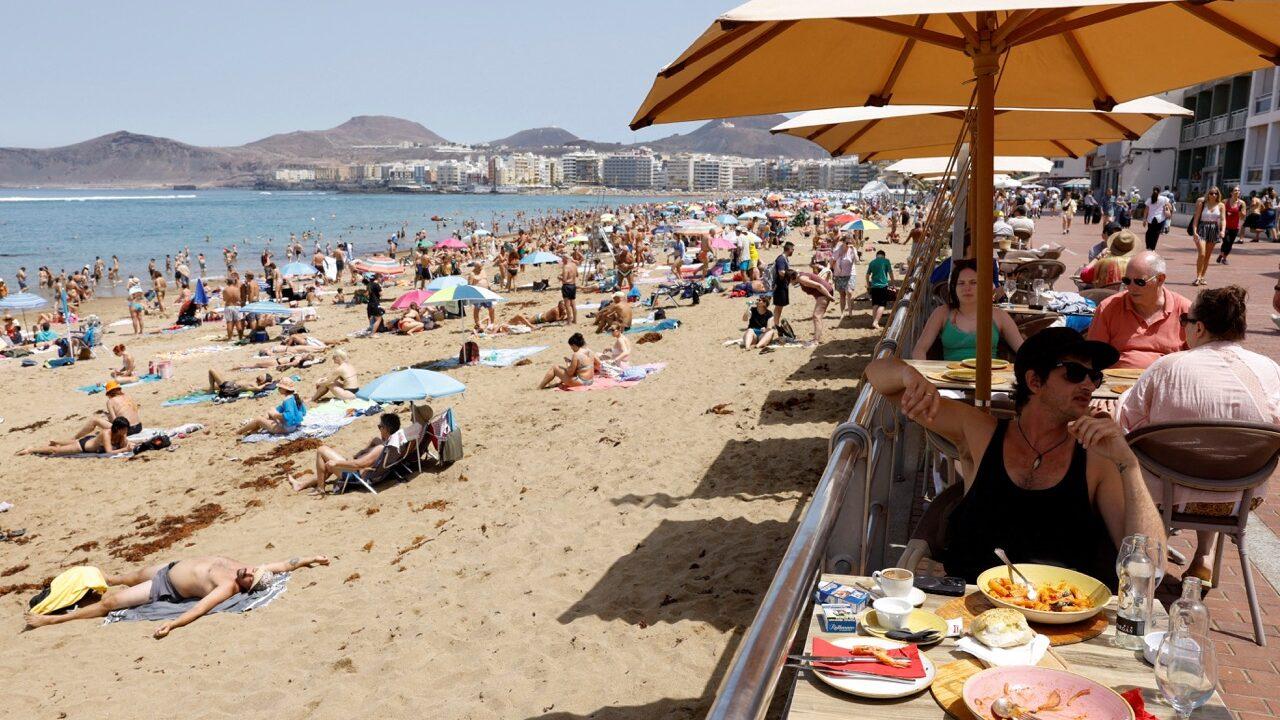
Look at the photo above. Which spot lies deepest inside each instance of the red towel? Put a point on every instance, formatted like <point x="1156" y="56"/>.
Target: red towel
<point x="914" y="670"/>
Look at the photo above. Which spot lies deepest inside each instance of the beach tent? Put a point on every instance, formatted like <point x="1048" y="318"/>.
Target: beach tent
<point x="1045" y="53"/>
<point x="907" y="131"/>
<point x="409" y="385"/>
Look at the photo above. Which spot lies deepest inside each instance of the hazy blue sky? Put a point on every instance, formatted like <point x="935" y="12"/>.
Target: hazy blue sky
<point x="228" y="72"/>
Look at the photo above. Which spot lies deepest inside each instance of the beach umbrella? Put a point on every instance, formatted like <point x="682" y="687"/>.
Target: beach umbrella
<point x="1046" y="54"/>
<point x="445" y="281"/>
<point x="200" y="297"/>
<point x="266" y="307"/>
<point x="452" y="243"/>
<point x="727" y="220"/>
<point x="541" y="257"/>
<point x="906" y="131"/>
<point x="410" y="385"/>
<point x="378" y="265"/>
<point x="480" y="232"/>
<point x="411" y="297"/>
<point x="752" y="215"/>
<point x="578" y="239"/>
<point x="842" y="218"/>
<point x="859" y="224"/>
<point x="23" y="302"/>
<point x="464" y="294"/>
<point x="778" y="214"/>
<point x="926" y="167"/>
<point x="1004" y="182"/>
<point x="1078" y="183"/>
<point x="694" y="227"/>
<point x="608" y="217"/>
<point x="298" y="269"/>
<point x="720" y="242"/>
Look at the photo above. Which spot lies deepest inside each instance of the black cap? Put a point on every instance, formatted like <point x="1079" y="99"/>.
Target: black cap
<point x="1050" y="345"/>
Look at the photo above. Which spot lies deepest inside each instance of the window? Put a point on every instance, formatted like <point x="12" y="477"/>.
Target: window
<point x="1058" y="164"/>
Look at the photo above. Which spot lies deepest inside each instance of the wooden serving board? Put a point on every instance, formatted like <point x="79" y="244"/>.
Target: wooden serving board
<point x="949" y="680"/>
<point x="974" y="604"/>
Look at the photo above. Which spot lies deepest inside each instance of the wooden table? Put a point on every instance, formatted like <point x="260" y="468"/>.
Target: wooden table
<point x="1098" y="659"/>
<point x="925" y="367"/>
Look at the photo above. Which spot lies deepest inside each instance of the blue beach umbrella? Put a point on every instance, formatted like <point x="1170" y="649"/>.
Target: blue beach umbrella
<point x="410" y="385"/>
<point x="201" y="297"/>
<point x="264" y="307"/>
<point x="753" y="214"/>
<point x="445" y="281"/>
<point x="23" y="302"/>
<point x="295" y="269"/>
<point x="727" y="220"/>
<point x="541" y="257"/>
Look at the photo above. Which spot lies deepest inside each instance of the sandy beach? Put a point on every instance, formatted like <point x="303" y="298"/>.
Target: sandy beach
<point x="595" y="554"/>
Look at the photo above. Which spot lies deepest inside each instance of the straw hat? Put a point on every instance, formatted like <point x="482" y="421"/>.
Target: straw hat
<point x="286" y="383"/>
<point x="1122" y="243"/>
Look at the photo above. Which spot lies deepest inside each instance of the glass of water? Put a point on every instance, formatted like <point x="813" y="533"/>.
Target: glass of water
<point x="1186" y="671"/>
<point x="1010" y="288"/>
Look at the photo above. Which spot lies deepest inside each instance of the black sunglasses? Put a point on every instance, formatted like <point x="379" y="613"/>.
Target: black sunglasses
<point x="1076" y="373"/>
<point x="1140" y="282"/>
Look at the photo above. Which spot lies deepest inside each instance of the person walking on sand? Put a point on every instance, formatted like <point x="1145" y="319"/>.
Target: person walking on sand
<point x="208" y="580"/>
<point x="781" y="293"/>
<point x="569" y="287"/>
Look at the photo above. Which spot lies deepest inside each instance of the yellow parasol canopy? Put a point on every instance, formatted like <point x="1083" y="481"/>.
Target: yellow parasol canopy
<point x="911" y="131"/>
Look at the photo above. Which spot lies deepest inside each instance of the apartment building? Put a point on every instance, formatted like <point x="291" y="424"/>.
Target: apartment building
<point x="582" y="168"/>
<point x="712" y="174"/>
<point x="631" y="170"/>
<point x="1211" y="142"/>
<point x="1143" y="163"/>
<point x="1262" y="133"/>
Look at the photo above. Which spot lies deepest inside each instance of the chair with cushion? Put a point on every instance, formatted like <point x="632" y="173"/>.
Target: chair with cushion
<point x="1098" y="294"/>
<point x="370" y="476"/>
<point x="1047" y="270"/>
<point x="1223" y="456"/>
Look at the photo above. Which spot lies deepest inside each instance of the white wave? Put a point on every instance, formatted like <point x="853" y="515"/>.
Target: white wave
<point x="87" y="198"/>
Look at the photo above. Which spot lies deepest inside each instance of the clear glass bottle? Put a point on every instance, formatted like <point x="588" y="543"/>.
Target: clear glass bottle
<point x="1188" y="613"/>
<point x="1134" y="594"/>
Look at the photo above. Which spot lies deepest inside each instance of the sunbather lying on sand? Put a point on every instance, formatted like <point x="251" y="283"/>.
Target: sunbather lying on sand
<point x="298" y="343"/>
<point x="209" y="579"/>
<point x="127" y="372"/>
<point x="300" y="360"/>
<point x="101" y="442"/>
<point x="556" y="313"/>
<point x="330" y="462"/>
<point x="342" y="383"/>
<point x="227" y="387"/>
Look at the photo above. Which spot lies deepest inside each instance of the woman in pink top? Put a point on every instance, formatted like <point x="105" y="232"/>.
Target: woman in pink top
<point x="1215" y="379"/>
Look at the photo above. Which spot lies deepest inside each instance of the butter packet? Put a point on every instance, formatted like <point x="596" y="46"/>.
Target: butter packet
<point x="839" y="618"/>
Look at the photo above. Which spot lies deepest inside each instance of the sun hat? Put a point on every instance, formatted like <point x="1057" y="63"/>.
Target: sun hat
<point x="261" y="578"/>
<point x="111" y="386"/>
<point x="1122" y="243"/>
<point x="286" y="383"/>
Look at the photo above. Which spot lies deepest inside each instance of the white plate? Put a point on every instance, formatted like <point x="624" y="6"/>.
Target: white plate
<point x="876" y="688"/>
<point x="915" y="597"/>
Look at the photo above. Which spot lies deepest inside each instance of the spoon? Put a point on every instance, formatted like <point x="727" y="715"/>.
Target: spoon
<point x="1031" y="588"/>
<point x="1003" y="707"/>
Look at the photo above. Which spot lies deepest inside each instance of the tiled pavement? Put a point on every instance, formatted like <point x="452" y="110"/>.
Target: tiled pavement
<point x="1250" y="675"/>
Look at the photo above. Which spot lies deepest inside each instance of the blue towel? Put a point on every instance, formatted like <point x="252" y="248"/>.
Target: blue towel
<point x="94" y="389"/>
<point x="667" y="324"/>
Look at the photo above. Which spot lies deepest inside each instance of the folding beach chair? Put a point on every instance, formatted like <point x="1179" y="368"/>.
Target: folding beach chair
<point x="373" y="475"/>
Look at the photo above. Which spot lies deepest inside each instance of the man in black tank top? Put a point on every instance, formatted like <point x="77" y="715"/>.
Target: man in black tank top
<point x="1054" y="484"/>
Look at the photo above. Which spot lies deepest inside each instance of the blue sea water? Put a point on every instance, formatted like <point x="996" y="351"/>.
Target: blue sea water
<point x="66" y="229"/>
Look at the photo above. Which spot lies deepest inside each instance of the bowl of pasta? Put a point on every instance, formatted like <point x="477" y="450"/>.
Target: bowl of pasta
<point x="1062" y="596"/>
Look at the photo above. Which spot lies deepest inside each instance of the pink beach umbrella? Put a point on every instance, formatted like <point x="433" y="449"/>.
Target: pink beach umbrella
<point x="411" y="297"/>
<point x="721" y="243"/>
<point x="452" y="243"/>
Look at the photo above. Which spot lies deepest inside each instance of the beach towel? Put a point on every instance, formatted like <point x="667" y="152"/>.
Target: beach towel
<point x="180" y="431"/>
<point x="175" y="329"/>
<point x="198" y="350"/>
<point x="120" y="323"/>
<point x="630" y="376"/>
<point x="506" y="357"/>
<point x="94" y="389"/>
<point x="659" y="326"/>
<point x="195" y="397"/>
<point x="238" y="603"/>
<point x="322" y="420"/>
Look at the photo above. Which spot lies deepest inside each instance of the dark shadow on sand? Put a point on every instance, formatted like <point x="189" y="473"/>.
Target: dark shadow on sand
<point x="712" y="571"/>
<point x="793" y="407"/>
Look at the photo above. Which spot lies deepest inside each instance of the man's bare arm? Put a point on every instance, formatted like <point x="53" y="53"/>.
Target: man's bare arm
<point x="295" y="562"/>
<point x="201" y="608"/>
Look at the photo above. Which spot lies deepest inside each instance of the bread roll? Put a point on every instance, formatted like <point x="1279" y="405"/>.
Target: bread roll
<point x="1001" y="628"/>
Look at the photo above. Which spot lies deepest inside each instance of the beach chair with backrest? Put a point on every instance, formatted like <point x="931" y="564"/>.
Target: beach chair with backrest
<point x="373" y="475"/>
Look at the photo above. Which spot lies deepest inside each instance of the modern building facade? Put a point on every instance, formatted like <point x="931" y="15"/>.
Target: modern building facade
<point x="1262" y="133"/>
<point x="1211" y="142"/>
<point x="630" y="171"/>
<point x="1143" y="163"/>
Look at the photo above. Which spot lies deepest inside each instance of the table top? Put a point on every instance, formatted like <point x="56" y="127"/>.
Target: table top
<point x="939" y="366"/>
<point x="1097" y="659"/>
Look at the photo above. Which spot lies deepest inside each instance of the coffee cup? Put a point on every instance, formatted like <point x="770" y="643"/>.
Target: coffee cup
<point x="894" y="582"/>
<point x="892" y="612"/>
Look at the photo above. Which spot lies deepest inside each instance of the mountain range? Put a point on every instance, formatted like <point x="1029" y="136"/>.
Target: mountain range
<point x="124" y="158"/>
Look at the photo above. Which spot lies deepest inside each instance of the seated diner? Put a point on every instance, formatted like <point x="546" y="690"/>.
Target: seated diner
<point x="1141" y="322"/>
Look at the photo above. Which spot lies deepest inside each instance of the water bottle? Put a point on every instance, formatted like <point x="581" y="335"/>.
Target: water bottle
<point x="1188" y="613"/>
<point x="1134" y="595"/>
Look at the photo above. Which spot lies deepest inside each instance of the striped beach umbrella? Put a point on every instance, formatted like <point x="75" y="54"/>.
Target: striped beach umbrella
<point x="464" y="294"/>
<point x="266" y="307"/>
<point x="22" y="302"/>
<point x="378" y="265"/>
<point x="859" y="224"/>
<point x="445" y="281"/>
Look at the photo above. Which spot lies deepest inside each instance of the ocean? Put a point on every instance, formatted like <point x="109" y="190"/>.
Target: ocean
<point x="66" y="229"/>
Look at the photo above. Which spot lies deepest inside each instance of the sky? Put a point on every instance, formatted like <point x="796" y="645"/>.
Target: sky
<point x="230" y="72"/>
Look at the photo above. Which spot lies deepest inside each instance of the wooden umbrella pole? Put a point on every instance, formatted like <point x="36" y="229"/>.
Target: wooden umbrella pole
<point x="986" y="63"/>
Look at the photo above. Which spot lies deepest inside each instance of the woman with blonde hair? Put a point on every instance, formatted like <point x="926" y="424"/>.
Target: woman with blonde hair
<point x="1206" y="223"/>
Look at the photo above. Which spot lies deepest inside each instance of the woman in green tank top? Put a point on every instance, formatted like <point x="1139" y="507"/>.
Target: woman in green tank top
<point x="956" y="322"/>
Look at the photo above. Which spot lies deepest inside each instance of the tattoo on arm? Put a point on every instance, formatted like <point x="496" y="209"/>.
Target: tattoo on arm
<point x="295" y="560"/>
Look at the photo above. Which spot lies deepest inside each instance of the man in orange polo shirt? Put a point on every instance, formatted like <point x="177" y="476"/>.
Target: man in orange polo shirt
<point x="1143" y="321"/>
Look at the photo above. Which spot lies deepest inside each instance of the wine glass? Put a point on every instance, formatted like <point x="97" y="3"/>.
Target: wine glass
<point x="1010" y="287"/>
<point x="1186" y="671"/>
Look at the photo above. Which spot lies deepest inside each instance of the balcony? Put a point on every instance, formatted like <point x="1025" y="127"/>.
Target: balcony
<point x="1219" y="124"/>
<point x="1262" y="104"/>
<point x="1253" y="175"/>
<point x="1238" y="118"/>
<point x="1202" y="128"/>
<point x="1188" y="132"/>
<point x="1273" y="175"/>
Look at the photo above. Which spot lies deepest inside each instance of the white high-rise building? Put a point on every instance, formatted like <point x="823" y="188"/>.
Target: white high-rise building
<point x="581" y="168"/>
<point x="632" y="170"/>
<point x="678" y="170"/>
<point x="712" y="173"/>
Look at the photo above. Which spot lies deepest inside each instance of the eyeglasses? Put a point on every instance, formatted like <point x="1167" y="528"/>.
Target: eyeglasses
<point x="1140" y="282"/>
<point x="1076" y="373"/>
<point x="1186" y="318"/>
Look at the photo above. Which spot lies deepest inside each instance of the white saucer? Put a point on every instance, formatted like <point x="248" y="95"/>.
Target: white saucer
<point x="916" y="597"/>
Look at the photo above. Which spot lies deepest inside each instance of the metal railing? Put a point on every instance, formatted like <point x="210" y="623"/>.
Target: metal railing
<point x="1238" y="118"/>
<point x="1202" y="128"/>
<point x="861" y="453"/>
<point x="1219" y="124"/>
<point x="1188" y="132"/>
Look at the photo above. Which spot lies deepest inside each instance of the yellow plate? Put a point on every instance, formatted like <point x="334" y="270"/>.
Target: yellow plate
<point x="963" y="375"/>
<point x="917" y="621"/>
<point x="1097" y="592"/>
<point x="1123" y="373"/>
<point x="996" y="363"/>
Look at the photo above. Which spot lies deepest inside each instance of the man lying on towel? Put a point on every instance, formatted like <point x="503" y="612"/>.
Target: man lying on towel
<point x="210" y="580"/>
